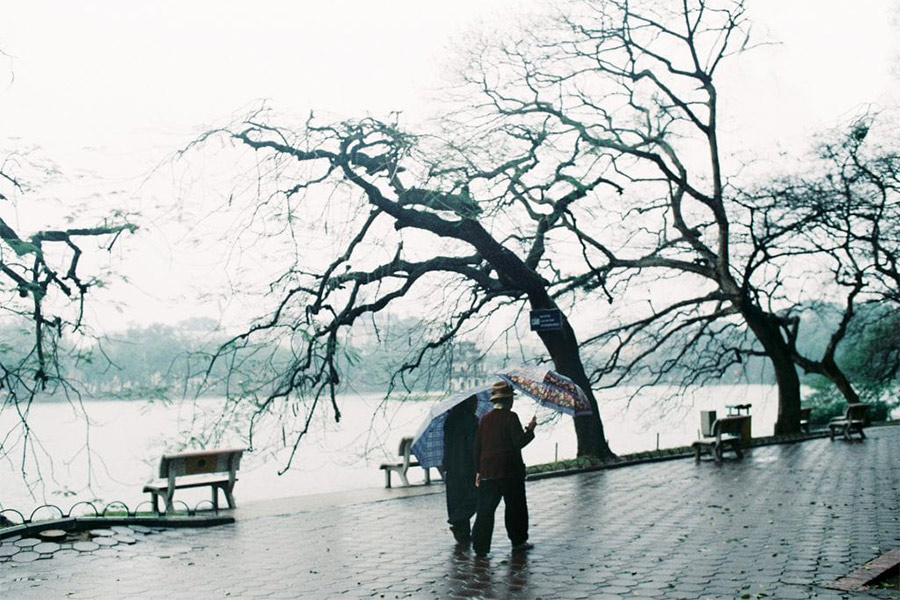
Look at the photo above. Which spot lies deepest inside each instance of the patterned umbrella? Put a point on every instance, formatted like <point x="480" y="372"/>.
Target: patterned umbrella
<point x="549" y="388"/>
<point x="428" y="444"/>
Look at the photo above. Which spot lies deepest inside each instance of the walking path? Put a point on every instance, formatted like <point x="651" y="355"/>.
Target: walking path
<point x="783" y="523"/>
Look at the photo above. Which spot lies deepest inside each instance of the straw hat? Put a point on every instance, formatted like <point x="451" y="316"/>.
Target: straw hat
<point x="501" y="392"/>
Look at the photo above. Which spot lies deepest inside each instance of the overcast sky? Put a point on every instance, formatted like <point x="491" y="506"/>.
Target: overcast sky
<point x="106" y="89"/>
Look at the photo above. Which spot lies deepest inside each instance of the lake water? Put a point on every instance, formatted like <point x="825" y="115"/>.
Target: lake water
<point x="113" y="457"/>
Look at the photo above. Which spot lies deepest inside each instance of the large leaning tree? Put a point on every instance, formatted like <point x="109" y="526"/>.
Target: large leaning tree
<point x="636" y="81"/>
<point x="465" y="237"/>
<point x="44" y="286"/>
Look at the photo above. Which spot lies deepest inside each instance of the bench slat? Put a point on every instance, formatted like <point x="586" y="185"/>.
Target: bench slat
<point x="201" y="461"/>
<point x="185" y="482"/>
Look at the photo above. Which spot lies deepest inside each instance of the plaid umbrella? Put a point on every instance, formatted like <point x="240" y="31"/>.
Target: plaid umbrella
<point x="428" y="443"/>
<point x="549" y="388"/>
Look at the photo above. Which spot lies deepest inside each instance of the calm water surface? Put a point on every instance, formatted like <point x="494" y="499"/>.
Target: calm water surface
<point x="112" y="454"/>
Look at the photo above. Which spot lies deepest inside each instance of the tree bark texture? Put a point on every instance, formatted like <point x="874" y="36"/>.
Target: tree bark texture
<point x="767" y="331"/>
<point x="562" y="346"/>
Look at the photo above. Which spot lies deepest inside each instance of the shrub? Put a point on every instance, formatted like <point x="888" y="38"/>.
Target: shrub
<point x="827" y="402"/>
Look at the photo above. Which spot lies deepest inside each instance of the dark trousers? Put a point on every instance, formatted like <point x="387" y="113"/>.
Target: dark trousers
<point x="462" y="499"/>
<point x="490" y="491"/>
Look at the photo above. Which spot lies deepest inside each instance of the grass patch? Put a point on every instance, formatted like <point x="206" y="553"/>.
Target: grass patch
<point x="589" y="462"/>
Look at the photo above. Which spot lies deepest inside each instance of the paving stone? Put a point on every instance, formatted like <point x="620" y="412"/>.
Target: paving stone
<point x="105" y="541"/>
<point x="615" y="589"/>
<point x="140" y="529"/>
<point x="85" y="546"/>
<point x="794" y="593"/>
<point x="680" y="595"/>
<point x="644" y="593"/>
<point x="101" y="532"/>
<point x="52" y="535"/>
<point x="620" y="582"/>
<point x="26" y="556"/>
<point x="125" y="539"/>
<point x="46" y="548"/>
<point x="123" y="529"/>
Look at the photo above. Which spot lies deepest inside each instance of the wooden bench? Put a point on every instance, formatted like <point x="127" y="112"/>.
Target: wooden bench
<point x="805" y="414"/>
<point x="853" y="421"/>
<point x="403" y="466"/>
<point x="215" y="468"/>
<point x="726" y="434"/>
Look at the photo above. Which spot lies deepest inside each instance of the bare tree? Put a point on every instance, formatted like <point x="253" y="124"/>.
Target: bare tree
<point x="44" y="291"/>
<point x="424" y="224"/>
<point x="635" y="82"/>
<point x="842" y="213"/>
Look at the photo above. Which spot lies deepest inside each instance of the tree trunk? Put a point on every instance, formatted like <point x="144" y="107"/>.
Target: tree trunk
<point x="837" y="377"/>
<point x="779" y="352"/>
<point x="562" y="346"/>
<point x="828" y="369"/>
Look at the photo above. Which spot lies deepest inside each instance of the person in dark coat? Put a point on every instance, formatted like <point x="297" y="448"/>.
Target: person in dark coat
<point x="501" y="472"/>
<point x="459" y="468"/>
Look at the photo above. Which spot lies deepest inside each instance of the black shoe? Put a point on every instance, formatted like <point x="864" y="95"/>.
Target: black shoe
<point x="461" y="537"/>
<point x="523" y="547"/>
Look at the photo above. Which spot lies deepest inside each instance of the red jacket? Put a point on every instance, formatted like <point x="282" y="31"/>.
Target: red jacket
<point x="499" y="443"/>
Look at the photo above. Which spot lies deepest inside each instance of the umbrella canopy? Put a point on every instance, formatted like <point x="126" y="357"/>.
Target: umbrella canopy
<point x="428" y="443"/>
<point x="549" y="388"/>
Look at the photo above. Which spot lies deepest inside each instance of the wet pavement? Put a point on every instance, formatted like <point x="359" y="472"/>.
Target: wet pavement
<point x="785" y="522"/>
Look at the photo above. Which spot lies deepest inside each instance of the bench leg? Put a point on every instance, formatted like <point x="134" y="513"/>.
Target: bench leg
<point x="387" y="478"/>
<point x="215" y="497"/>
<point x="403" y="478"/>
<point x="229" y="496"/>
<point x="427" y="476"/>
<point x="170" y="504"/>
<point x="155" y="497"/>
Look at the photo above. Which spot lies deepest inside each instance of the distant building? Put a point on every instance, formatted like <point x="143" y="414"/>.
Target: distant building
<point x="466" y="367"/>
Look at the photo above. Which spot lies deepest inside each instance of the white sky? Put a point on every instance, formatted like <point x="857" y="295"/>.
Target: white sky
<point x="107" y="89"/>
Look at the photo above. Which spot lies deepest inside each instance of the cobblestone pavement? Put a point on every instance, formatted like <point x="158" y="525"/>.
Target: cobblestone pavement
<point x="780" y="524"/>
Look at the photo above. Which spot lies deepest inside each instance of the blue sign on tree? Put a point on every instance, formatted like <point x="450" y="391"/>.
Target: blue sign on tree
<point x="546" y="319"/>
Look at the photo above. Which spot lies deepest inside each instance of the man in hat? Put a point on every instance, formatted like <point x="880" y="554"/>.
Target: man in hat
<point x="501" y="472"/>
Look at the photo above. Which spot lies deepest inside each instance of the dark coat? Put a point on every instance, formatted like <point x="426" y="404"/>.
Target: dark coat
<point x="459" y="438"/>
<point x="499" y="443"/>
